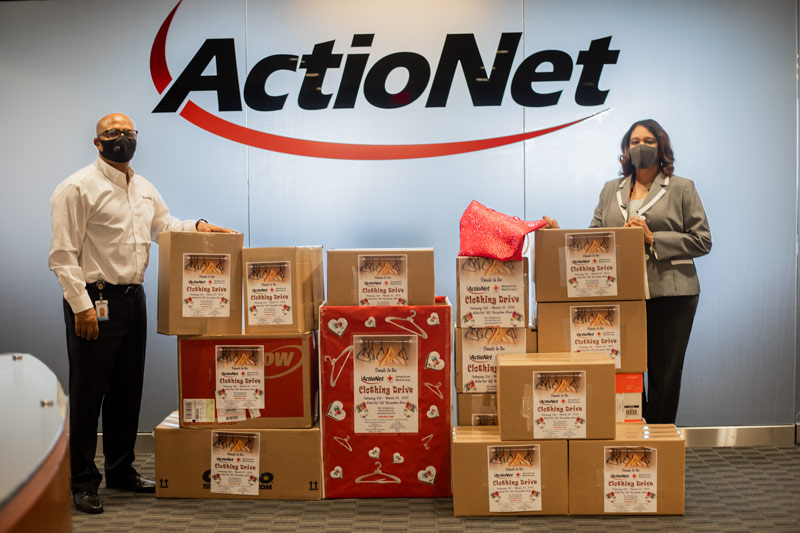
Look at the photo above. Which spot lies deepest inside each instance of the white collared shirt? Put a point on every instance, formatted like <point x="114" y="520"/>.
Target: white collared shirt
<point x="102" y="228"/>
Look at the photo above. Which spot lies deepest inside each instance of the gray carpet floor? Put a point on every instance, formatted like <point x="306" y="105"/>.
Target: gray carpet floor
<point x="727" y="490"/>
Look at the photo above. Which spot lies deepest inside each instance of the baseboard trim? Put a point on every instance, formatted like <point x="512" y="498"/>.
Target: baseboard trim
<point x="696" y="437"/>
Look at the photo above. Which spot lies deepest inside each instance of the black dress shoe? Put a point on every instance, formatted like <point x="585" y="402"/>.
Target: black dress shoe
<point x="136" y="484"/>
<point x="87" y="501"/>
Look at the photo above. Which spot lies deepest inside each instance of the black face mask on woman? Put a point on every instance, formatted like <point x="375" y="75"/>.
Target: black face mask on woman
<point x="119" y="150"/>
<point x="644" y="156"/>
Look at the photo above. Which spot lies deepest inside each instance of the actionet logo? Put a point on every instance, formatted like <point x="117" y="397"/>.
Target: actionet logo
<point x="533" y="84"/>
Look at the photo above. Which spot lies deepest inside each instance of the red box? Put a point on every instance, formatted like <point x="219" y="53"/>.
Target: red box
<point x="290" y="379"/>
<point x="385" y="394"/>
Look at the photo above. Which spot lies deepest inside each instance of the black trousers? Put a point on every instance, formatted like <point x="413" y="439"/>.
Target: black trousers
<point x="106" y="375"/>
<point x="669" y="324"/>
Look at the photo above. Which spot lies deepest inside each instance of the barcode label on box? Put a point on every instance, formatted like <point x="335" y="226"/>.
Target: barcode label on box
<point x="198" y="411"/>
<point x="231" y="415"/>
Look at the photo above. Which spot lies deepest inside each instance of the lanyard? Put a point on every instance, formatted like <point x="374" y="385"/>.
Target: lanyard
<point x="644" y="208"/>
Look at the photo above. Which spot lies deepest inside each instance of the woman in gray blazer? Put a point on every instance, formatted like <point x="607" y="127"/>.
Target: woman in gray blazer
<point x="668" y="209"/>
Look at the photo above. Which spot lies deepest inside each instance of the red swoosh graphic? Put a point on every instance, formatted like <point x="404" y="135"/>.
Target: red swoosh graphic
<point x="201" y="118"/>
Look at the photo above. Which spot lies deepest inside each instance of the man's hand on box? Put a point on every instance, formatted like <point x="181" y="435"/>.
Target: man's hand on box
<point x="208" y="227"/>
<point x="86" y="324"/>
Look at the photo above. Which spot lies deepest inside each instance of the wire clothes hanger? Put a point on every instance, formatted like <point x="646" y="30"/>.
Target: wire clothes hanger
<point x="378" y="477"/>
<point x="345" y="442"/>
<point x="407" y="324"/>
<point x="435" y="389"/>
<point x="337" y="372"/>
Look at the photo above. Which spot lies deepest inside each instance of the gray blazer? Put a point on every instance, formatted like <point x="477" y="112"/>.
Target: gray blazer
<point x="675" y="215"/>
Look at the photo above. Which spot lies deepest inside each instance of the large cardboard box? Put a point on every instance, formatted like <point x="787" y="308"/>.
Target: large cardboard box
<point x="556" y="396"/>
<point x="617" y="328"/>
<point x="477" y="409"/>
<point x="629" y="397"/>
<point x="381" y="276"/>
<point x="492" y="477"/>
<point x="199" y="283"/>
<point x="492" y="292"/>
<point x="641" y="471"/>
<point x="290" y="463"/>
<point x="280" y="368"/>
<point x="386" y="403"/>
<point x="589" y="264"/>
<point x="283" y="288"/>
<point x="477" y="350"/>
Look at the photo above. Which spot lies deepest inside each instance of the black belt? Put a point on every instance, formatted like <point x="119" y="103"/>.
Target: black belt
<point x="102" y="286"/>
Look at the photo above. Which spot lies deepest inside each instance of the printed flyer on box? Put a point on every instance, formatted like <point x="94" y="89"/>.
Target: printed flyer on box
<point x="591" y="265"/>
<point x="383" y="279"/>
<point x="479" y="350"/>
<point x="630" y="479"/>
<point x="559" y="405"/>
<point x="596" y="329"/>
<point x="515" y="475"/>
<point x="206" y="288"/>
<point x="385" y="384"/>
<point x="269" y="293"/>
<point x="234" y="462"/>
<point x="239" y="377"/>
<point x="491" y="292"/>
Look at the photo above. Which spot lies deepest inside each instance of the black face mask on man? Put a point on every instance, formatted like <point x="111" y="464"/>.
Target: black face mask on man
<point x="119" y="150"/>
<point x="644" y="156"/>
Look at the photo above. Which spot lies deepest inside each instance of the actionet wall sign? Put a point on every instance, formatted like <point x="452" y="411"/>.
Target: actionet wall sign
<point x="363" y="80"/>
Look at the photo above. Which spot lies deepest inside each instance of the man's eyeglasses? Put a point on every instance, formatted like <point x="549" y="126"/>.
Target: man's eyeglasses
<point x="115" y="134"/>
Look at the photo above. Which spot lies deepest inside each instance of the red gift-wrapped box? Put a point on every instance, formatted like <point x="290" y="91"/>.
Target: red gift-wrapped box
<point x="385" y="393"/>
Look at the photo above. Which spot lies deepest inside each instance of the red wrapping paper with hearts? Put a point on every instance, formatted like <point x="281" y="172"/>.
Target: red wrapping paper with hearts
<point x="386" y="405"/>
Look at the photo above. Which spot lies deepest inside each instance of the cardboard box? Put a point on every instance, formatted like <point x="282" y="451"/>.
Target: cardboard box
<point x="386" y="406"/>
<point x="290" y="463"/>
<point x="281" y="286"/>
<point x="380" y="277"/>
<point x="289" y="381"/>
<point x="199" y="283"/>
<point x="601" y="472"/>
<point x="556" y="396"/>
<point x="589" y="264"/>
<point x="477" y="409"/>
<point x="482" y="464"/>
<point x="629" y="388"/>
<point x="477" y="350"/>
<point x="492" y="292"/>
<point x="618" y="328"/>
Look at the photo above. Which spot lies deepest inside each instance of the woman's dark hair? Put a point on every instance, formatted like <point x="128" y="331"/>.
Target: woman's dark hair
<point x="665" y="156"/>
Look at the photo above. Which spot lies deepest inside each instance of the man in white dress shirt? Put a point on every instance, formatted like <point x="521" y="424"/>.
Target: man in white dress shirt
<point x="104" y="217"/>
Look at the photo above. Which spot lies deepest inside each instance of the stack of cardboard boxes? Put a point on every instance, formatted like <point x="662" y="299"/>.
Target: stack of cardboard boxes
<point x="492" y="320"/>
<point x="558" y="448"/>
<point x="385" y="352"/>
<point x="247" y="402"/>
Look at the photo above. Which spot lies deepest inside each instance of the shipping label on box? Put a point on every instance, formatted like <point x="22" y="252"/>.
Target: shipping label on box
<point x="206" y="285"/>
<point x="383" y="279"/>
<point x="596" y="329"/>
<point x="386" y="383"/>
<point x="559" y="405"/>
<point x="630" y="476"/>
<point x="629" y="389"/>
<point x="269" y="293"/>
<point x="234" y="462"/>
<point x="492" y="292"/>
<point x="591" y="265"/>
<point x="515" y="478"/>
<point x="385" y="391"/>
